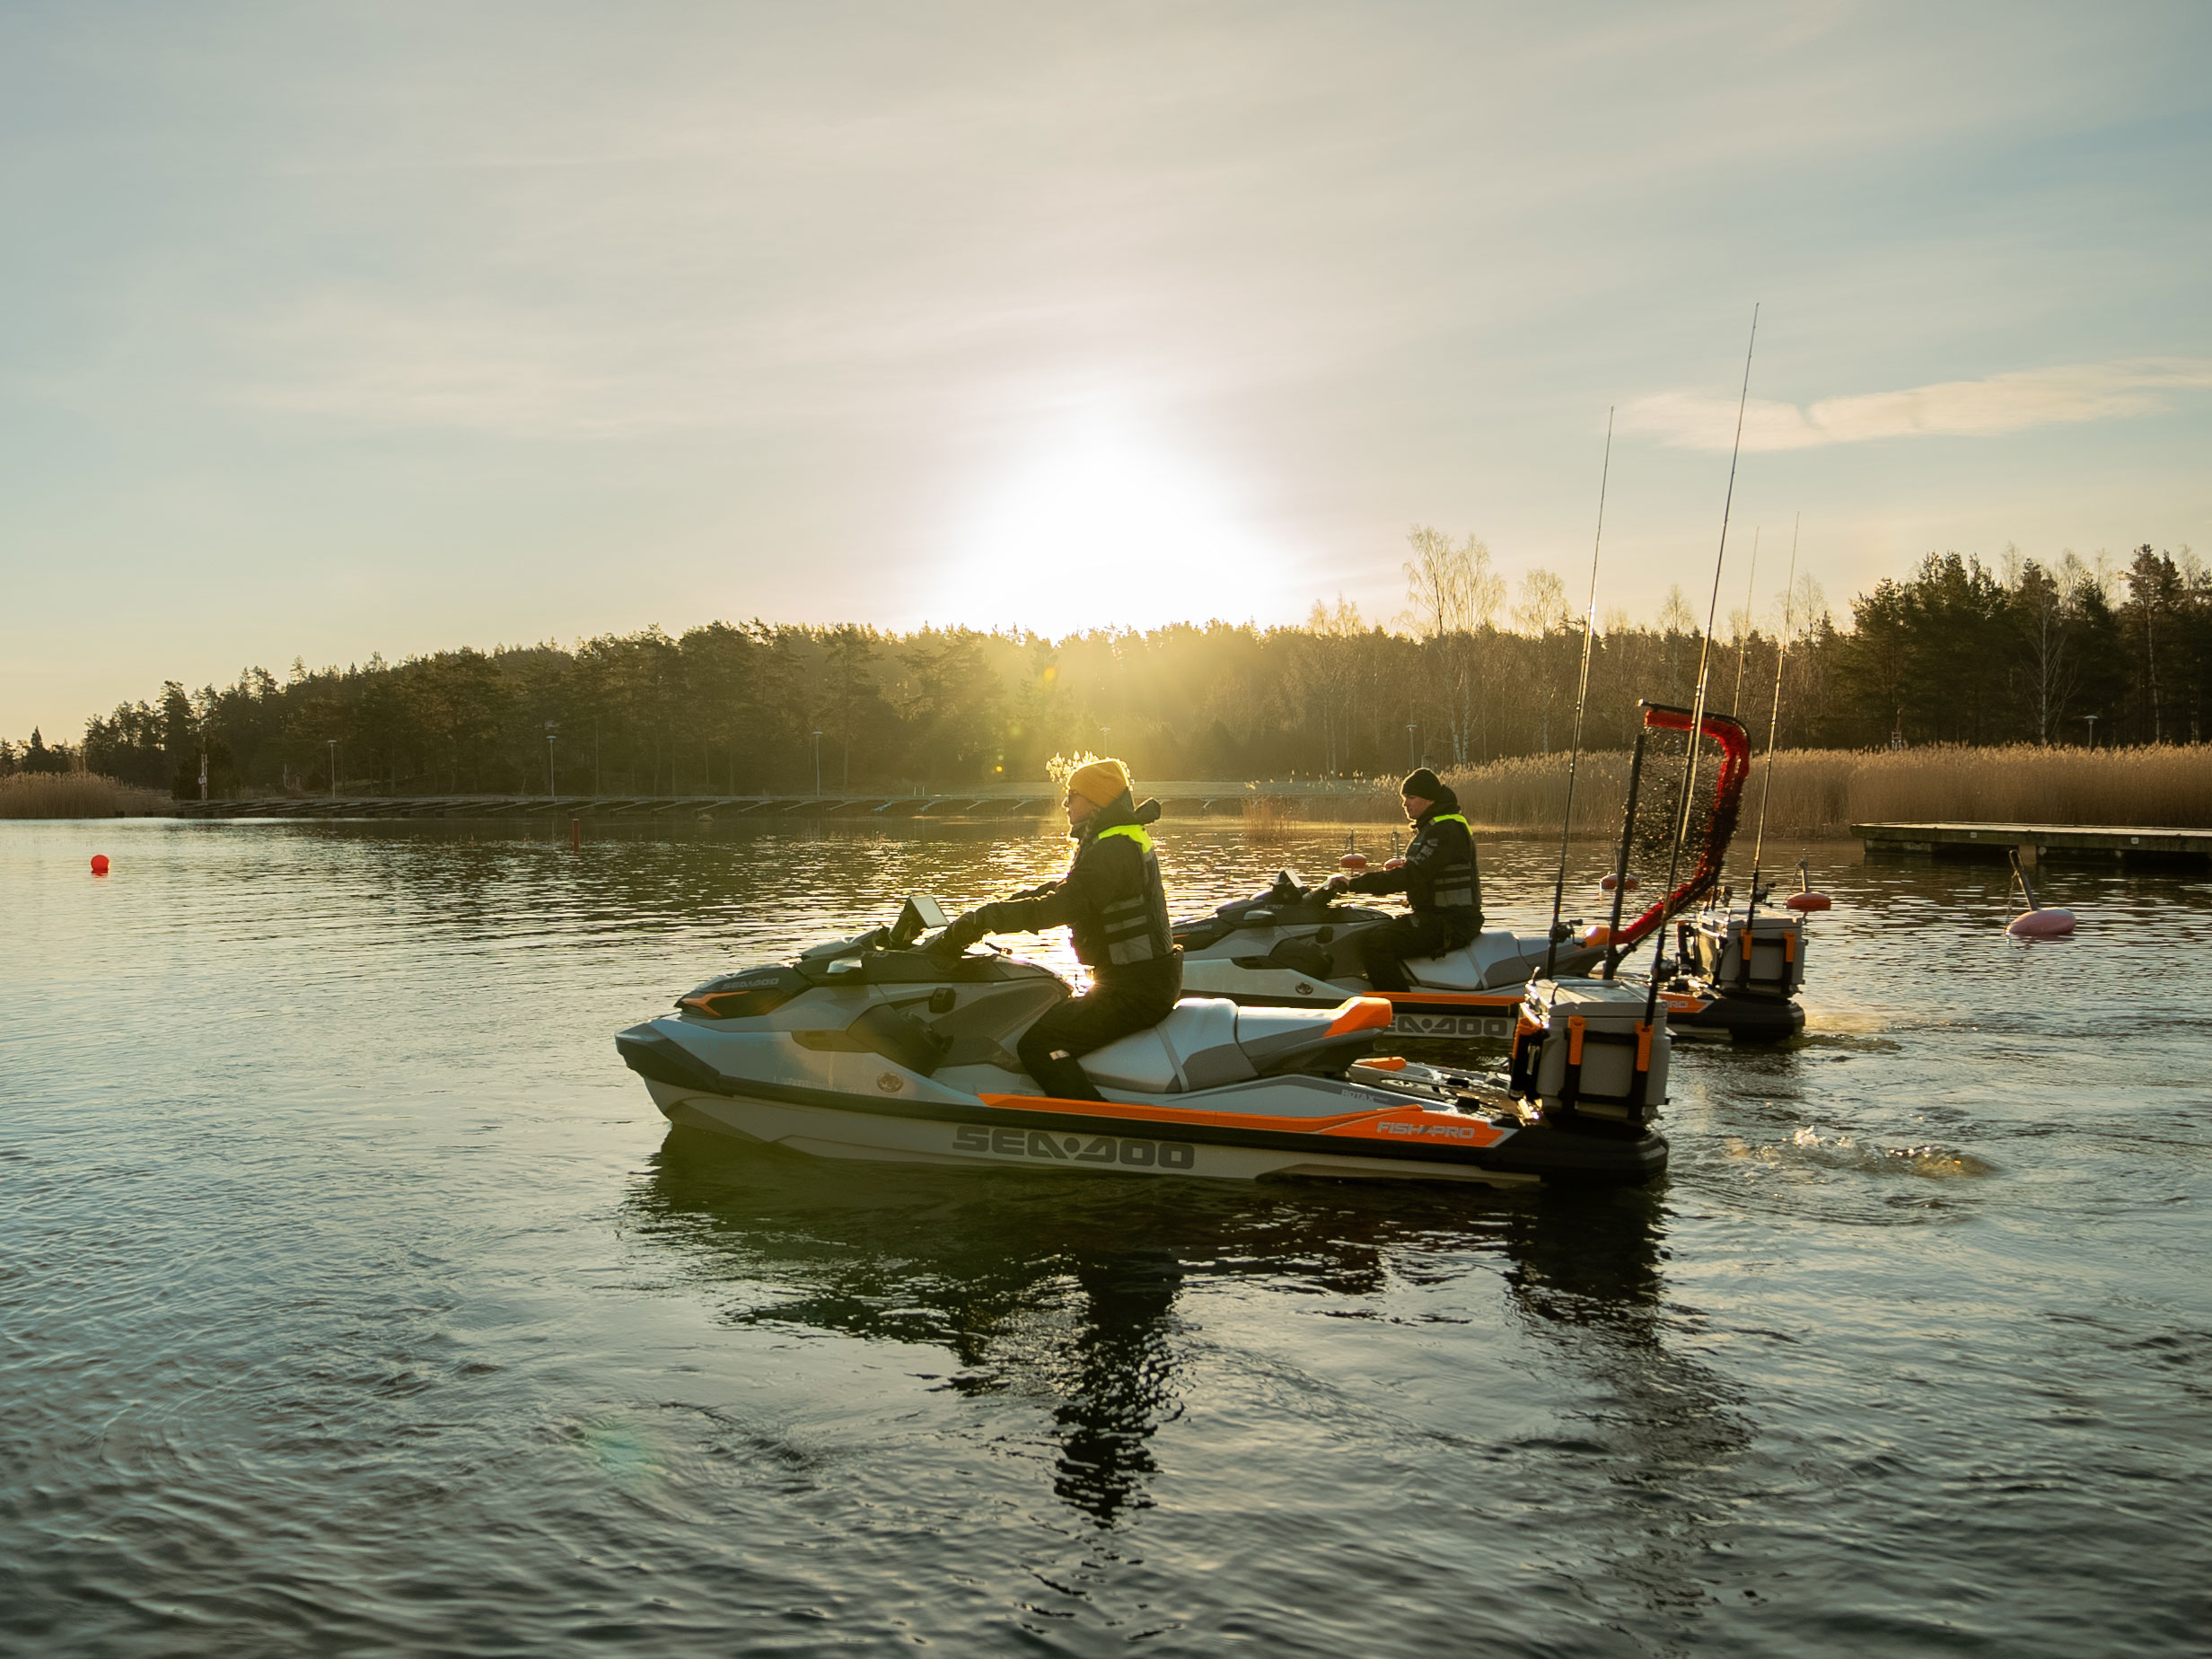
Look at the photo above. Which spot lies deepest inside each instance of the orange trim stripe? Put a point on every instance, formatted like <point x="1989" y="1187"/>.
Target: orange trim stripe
<point x="1483" y="999"/>
<point x="1360" y="1125"/>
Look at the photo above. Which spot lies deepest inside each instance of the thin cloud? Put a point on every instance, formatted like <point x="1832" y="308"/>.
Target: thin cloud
<point x="2012" y="402"/>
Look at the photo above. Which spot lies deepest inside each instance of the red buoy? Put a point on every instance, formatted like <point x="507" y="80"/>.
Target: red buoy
<point x="1805" y="903"/>
<point x="2041" y="924"/>
<point x="100" y="863"/>
<point x="1356" y="863"/>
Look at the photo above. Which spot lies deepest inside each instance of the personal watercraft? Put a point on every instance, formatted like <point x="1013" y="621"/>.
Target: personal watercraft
<point x="1295" y="946"/>
<point x="880" y="1048"/>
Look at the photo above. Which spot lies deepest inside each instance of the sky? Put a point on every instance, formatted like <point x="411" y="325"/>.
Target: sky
<point x="330" y="329"/>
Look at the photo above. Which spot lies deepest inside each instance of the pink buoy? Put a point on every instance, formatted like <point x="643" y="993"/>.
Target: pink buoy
<point x="1611" y="882"/>
<point x="2052" y="924"/>
<point x="1805" y="903"/>
<point x="100" y="863"/>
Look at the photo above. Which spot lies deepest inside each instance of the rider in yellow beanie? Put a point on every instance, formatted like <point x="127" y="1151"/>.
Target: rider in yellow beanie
<point x="1101" y="783"/>
<point x="1112" y="901"/>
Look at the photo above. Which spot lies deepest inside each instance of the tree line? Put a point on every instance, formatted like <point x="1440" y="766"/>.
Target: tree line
<point x="1470" y="672"/>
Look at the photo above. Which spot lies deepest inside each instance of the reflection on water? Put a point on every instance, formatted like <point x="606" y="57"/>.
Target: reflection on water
<point x="1030" y="1288"/>
<point x="354" y="1299"/>
<point x="1071" y="1295"/>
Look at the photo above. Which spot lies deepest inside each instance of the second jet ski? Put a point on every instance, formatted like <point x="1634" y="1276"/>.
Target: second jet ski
<point x="1295" y="946"/>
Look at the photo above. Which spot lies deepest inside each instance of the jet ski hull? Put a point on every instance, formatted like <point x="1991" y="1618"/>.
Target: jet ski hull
<point x="1735" y="1019"/>
<point x="873" y="1137"/>
<point x="914" y="1120"/>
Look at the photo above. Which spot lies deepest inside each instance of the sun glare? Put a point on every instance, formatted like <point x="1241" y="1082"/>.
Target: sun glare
<point x="1101" y="530"/>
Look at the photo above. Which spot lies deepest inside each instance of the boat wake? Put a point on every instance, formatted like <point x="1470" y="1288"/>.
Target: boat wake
<point x="1842" y="1152"/>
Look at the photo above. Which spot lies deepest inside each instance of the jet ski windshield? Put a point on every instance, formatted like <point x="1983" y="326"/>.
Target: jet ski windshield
<point x="919" y="914"/>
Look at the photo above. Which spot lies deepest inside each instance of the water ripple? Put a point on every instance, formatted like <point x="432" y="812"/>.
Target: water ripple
<point x="353" y="1300"/>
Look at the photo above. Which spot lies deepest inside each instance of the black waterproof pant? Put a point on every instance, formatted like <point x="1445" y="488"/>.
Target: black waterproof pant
<point x="1120" y="1000"/>
<point x="1425" y="932"/>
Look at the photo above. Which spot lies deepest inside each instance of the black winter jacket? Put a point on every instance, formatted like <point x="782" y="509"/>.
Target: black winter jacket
<point x="1111" y="898"/>
<point x="1439" y="875"/>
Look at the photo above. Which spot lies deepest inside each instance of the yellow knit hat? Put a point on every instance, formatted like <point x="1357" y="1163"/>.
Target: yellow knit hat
<point x="1101" y="783"/>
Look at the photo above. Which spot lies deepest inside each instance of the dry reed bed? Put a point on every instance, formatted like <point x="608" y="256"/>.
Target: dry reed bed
<point x="75" y="794"/>
<point x="1821" y="792"/>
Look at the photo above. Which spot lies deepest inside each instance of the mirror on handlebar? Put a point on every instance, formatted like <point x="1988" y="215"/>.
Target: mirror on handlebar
<point x="919" y="914"/>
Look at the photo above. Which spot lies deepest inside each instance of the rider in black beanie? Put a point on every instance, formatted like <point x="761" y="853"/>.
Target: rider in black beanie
<point x="1438" y="878"/>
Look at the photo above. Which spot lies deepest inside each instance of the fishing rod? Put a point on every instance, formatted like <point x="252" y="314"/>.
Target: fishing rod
<point x="1614" y="953"/>
<point x="1581" y="696"/>
<point x="1774" y="718"/>
<point x="1705" y="652"/>
<point x="1743" y="640"/>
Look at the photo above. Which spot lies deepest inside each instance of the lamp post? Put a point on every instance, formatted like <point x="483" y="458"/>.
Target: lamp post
<point x="550" y="734"/>
<point x="817" y="763"/>
<point x="2093" y="729"/>
<point x="333" y="743"/>
<point x="1410" y="729"/>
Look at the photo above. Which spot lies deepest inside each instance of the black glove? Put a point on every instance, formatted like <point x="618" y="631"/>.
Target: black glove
<point x="959" y="932"/>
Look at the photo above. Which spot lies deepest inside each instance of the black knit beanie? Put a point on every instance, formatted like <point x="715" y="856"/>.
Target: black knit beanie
<point x="1425" y="783"/>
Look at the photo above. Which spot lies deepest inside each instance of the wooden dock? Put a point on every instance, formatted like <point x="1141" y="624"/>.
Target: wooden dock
<point x="1177" y="800"/>
<point x="2144" y="845"/>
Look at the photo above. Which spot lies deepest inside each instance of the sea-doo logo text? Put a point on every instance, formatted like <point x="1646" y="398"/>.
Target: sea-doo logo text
<point x="1046" y="1147"/>
<point x="1462" y="1026"/>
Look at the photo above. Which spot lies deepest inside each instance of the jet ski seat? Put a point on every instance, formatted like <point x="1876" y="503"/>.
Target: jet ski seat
<point x="1495" y="958"/>
<point x="1207" y="1043"/>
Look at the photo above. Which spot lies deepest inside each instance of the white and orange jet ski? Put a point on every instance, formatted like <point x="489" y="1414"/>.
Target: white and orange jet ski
<point x="875" y="1047"/>
<point x="1295" y="946"/>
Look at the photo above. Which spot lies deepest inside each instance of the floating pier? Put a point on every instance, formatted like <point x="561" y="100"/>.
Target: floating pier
<point x="2147" y="846"/>
<point x="1178" y="800"/>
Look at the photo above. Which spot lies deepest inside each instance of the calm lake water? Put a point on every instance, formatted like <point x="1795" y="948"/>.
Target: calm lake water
<point x="355" y="1300"/>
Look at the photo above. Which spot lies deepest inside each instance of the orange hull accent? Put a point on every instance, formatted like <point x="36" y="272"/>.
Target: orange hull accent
<point x="1361" y="1013"/>
<point x="1411" y="1122"/>
<point x="1462" y="999"/>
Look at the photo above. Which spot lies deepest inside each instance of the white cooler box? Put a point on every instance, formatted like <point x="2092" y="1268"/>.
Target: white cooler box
<point x="1768" y="961"/>
<point x="1581" y="1048"/>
